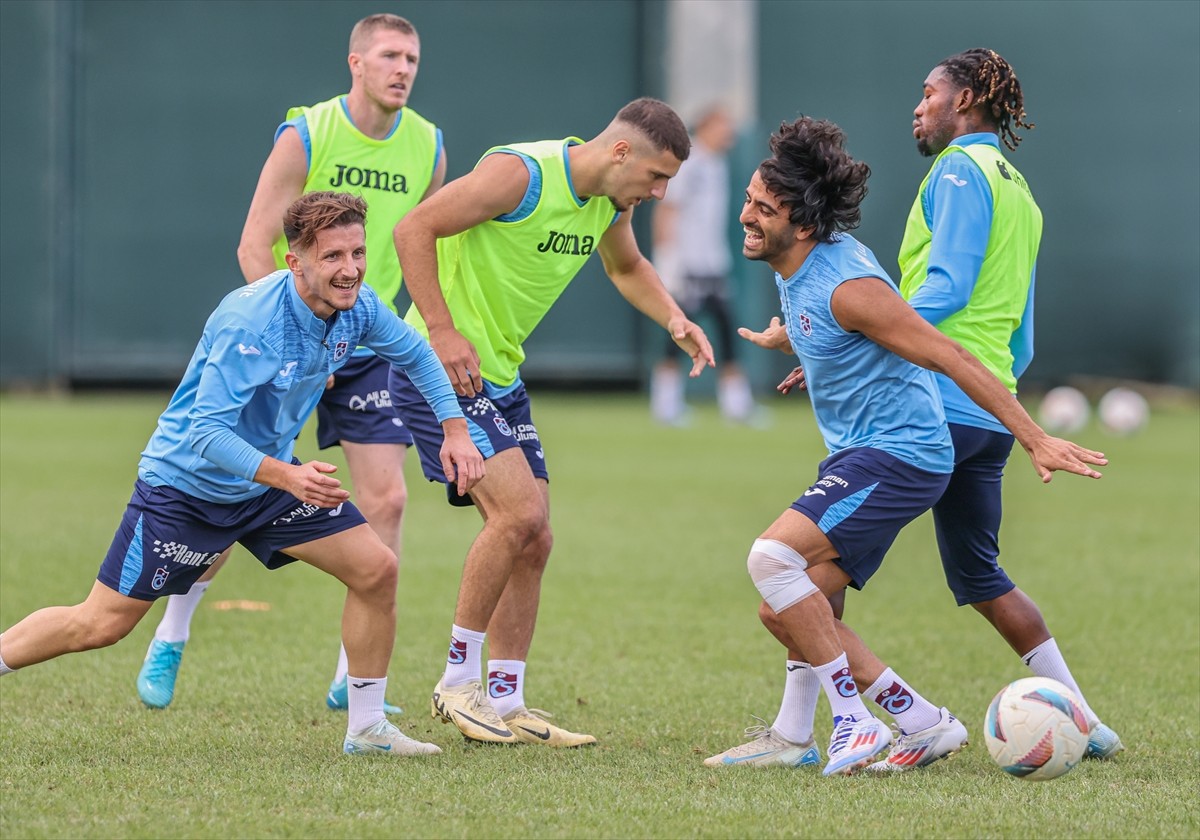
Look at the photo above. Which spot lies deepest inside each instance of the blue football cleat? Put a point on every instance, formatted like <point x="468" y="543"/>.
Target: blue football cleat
<point x="156" y="680"/>
<point x="1103" y="742"/>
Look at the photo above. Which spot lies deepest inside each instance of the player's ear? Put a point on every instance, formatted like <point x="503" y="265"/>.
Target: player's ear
<point x="293" y="261"/>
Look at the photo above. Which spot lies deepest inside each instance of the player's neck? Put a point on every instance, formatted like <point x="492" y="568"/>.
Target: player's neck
<point x="368" y="117"/>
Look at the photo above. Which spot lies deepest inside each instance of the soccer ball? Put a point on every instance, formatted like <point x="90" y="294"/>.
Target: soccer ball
<point x="1064" y="409"/>
<point x="1123" y="411"/>
<point x="1035" y="729"/>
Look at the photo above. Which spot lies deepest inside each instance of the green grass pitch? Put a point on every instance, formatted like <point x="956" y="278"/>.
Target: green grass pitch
<point x="647" y="638"/>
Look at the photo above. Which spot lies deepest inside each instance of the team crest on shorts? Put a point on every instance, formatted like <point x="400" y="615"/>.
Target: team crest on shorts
<point x="340" y="349"/>
<point x="160" y="578"/>
<point x="805" y="324"/>
<point x="502" y="425"/>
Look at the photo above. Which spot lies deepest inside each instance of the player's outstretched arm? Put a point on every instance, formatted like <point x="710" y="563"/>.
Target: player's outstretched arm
<point x="495" y="187"/>
<point x="638" y="282"/>
<point x="279" y="184"/>
<point x="868" y="305"/>
<point x="774" y="337"/>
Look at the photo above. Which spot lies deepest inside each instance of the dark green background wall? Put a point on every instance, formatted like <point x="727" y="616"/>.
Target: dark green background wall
<point x="131" y="135"/>
<point x="1114" y="89"/>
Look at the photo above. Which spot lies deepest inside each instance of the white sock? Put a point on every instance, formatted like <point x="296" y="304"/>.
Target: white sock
<point x="911" y="711"/>
<point x="463" y="660"/>
<point x="841" y="689"/>
<point x="801" y="690"/>
<point x="666" y="394"/>
<point x="1045" y="661"/>
<point x="734" y="397"/>
<point x="506" y="685"/>
<point x="366" y="702"/>
<point x="342" y="666"/>
<point x="4" y="669"/>
<point x="177" y="617"/>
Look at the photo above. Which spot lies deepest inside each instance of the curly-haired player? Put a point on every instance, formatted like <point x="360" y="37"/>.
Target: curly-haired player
<point x="868" y="358"/>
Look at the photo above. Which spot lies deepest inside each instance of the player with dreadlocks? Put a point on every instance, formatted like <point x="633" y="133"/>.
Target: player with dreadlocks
<point x="968" y="265"/>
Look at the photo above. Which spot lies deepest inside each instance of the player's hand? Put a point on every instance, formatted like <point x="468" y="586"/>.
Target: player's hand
<point x="774" y="337"/>
<point x="795" y="379"/>
<point x="329" y="382"/>
<point x="459" y="358"/>
<point x="1050" y="454"/>
<point x="692" y="340"/>
<point x="314" y="484"/>
<point x="462" y="462"/>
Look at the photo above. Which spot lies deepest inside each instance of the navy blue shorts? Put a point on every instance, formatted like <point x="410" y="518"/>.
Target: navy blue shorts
<point x="967" y="517"/>
<point x="167" y="539"/>
<point x="495" y="425"/>
<point x="358" y="408"/>
<point x="861" y="500"/>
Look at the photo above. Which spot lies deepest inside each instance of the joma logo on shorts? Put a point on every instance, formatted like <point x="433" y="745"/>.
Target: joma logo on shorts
<point x="372" y="179"/>
<point x="567" y="243"/>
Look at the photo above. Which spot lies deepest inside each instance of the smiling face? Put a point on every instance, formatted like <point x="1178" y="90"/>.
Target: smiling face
<point x="936" y="119"/>
<point x="769" y="235"/>
<point x="329" y="273"/>
<point x="386" y="67"/>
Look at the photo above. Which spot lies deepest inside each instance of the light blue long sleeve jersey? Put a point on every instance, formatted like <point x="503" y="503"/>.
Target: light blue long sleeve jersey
<point x="958" y="209"/>
<point x="255" y="378"/>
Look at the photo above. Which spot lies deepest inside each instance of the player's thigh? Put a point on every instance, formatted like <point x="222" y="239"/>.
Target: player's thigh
<point x="797" y="531"/>
<point x="115" y="613"/>
<point x="511" y="490"/>
<point x="377" y="469"/>
<point x="356" y="557"/>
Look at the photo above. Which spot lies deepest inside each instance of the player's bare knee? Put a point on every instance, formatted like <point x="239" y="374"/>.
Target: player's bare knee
<point x="377" y="573"/>
<point x="778" y="571"/>
<point x="92" y="629"/>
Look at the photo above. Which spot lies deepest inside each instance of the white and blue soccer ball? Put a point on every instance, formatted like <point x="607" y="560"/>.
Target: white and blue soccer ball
<point x="1064" y="409"/>
<point x="1035" y="729"/>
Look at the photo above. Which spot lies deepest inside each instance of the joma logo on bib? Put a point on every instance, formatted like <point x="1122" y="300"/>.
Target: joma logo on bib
<point x="567" y="243"/>
<point x="372" y="179"/>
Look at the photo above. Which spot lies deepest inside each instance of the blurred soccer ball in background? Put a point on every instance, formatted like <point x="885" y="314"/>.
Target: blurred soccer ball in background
<point x="1035" y="729"/>
<point x="1064" y="409"/>
<point x="1123" y="411"/>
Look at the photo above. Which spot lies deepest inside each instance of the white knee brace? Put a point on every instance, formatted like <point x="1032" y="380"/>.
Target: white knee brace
<point x="778" y="572"/>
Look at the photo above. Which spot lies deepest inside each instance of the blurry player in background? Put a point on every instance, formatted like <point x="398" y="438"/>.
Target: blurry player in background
<point x="484" y="260"/>
<point x="219" y="466"/>
<point x="868" y="357"/>
<point x="369" y="143"/>
<point x="693" y="256"/>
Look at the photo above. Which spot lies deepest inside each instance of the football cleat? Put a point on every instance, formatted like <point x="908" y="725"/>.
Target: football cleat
<point x="385" y="739"/>
<point x="156" y="680"/>
<point x="338" y="699"/>
<point x="920" y="749"/>
<point x="854" y="743"/>
<point x="767" y="748"/>
<point x="1102" y="742"/>
<point x="531" y="727"/>
<point x="467" y="708"/>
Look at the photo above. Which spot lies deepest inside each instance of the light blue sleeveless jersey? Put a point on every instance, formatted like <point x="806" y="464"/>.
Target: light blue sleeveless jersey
<point x="862" y="395"/>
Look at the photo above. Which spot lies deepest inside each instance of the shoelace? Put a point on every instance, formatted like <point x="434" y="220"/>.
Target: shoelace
<point x="166" y="661"/>
<point x="841" y="734"/>
<point x="757" y="731"/>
